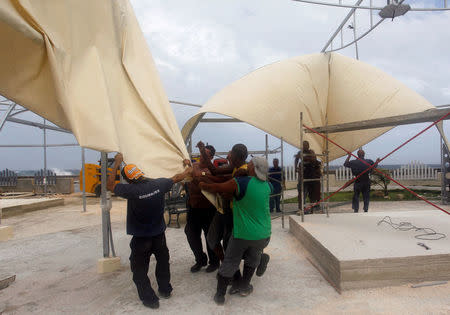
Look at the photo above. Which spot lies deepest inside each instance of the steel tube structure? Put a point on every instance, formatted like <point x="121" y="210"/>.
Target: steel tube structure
<point x="104" y="206"/>
<point x="83" y="161"/>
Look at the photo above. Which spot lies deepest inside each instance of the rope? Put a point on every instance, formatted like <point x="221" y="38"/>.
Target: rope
<point x="373" y="166"/>
<point x="428" y="235"/>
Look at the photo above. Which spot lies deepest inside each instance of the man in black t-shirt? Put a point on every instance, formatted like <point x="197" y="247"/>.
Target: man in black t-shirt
<point x="362" y="184"/>
<point x="145" y="221"/>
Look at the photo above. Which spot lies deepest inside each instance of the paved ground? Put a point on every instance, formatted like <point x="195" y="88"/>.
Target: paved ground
<point x="54" y="254"/>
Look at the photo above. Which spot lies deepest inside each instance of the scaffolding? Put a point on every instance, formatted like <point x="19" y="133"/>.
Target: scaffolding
<point x="436" y="116"/>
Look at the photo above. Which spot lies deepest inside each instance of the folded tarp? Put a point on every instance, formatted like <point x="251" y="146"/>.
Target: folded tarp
<point x="321" y="86"/>
<point x="85" y="66"/>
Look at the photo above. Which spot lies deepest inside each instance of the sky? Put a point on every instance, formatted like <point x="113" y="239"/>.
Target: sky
<point x="200" y="46"/>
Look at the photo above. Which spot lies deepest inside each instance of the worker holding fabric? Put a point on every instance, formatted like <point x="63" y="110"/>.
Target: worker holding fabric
<point x="145" y="222"/>
<point x="252" y="225"/>
<point x="200" y="215"/>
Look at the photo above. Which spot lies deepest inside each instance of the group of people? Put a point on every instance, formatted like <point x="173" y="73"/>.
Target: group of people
<point x="236" y="224"/>
<point x="310" y="170"/>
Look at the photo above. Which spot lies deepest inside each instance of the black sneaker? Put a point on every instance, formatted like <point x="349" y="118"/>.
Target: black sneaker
<point x="197" y="267"/>
<point x="262" y="264"/>
<point x="212" y="268"/>
<point x="164" y="295"/>
<point x="219" y="299"/>
<point x="246" y="291"/>
<point x="152" y="304"/>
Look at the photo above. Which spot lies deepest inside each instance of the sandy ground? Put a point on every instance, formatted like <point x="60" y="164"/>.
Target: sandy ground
<point x="54" y="254"/>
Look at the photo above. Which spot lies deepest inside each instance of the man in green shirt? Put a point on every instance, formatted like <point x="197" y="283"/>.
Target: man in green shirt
<point x="251" y="225"/>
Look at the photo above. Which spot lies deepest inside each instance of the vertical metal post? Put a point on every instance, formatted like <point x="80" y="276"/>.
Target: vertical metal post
<point x="104" y="206"/>
<point x="282" y="182"/>
<point x="267" y="147"/>
<point x="190" y="145"/>
<point x="443" y="171"/>
<point x="342" y="35"/>
<point x="45" y="158"/>
<point x="354" y="35"/>
<point x="371" y="15"/>
<point x="83" y="179"/>
<point x="302" y="183"/>
<point x="327" y="159"/>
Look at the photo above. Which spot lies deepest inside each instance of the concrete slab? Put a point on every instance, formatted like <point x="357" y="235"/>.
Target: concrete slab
<point x="54" y="254"/>
<point x="6" y="232"/>
<point x="12" y="207"/>
<point x="354" y="251"/>
<point x="108" y="264"/>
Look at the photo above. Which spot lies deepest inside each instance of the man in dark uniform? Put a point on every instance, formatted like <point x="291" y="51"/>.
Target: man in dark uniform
<point x="362" y="184"/>
<point x="276" y="178"/>
<point x="199" y="217"/>
<point x="145" y="221"/>
<point x="311" y="170"/>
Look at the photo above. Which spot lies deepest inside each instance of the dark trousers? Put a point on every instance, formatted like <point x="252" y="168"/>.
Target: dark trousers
<point x="199" y="220"/>
<point x="238" y="249"/>
<point x="275" y="200"/>
<point x="141" y="250"/>
<point x="311" y="190"/>
<point x="220" y="229"/>
<point x="363" y="188"/>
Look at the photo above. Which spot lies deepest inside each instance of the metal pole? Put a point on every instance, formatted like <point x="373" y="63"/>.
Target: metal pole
<point x="371" y="15"/>
<point x="302" y="183"/>
<point x="45" y="158"/>
<point x="341" y="25"/>
<point x="8" y="111"/>
<point x="83" y="175"/>
<point x="190" y="145"/>
<point x="104" y="206"/>
<point x="282" y="181"/>
<point x="267" y="147"/>
<point x="354" y="36"/>
<point x="443" y="171"/>
<point x="327" y="159"/>
<point x="342" y="35"/>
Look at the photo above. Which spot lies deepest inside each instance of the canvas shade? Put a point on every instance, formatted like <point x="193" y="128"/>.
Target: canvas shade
<point x="321" y="86"/>
<point x="85" y="66"/>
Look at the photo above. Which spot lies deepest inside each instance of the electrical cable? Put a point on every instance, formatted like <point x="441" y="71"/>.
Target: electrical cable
<point x="428" y="235"/>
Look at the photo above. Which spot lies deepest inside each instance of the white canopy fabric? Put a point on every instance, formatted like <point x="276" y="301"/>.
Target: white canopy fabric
<point x="85" y="66"/>
<point x="320" y="86"/>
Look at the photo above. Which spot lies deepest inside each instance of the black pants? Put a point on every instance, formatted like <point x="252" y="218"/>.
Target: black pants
<point x="199" y="220"/>
<point x="364" y="188"/>
<point x="141" y="250"/>
<point x="311" y="190"/>
<point x="220" y="229"/>
<point x="275" y="200"/>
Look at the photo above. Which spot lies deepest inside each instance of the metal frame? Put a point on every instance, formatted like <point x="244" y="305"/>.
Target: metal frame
<point x="430" y="115"/>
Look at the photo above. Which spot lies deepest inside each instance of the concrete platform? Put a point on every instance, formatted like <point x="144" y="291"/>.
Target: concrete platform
<point x="352" y="251"/>
<point x="12" y="207"/>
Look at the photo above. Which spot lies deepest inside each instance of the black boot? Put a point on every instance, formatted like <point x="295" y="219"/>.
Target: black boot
<point x="235" y="283"/>
<point x="246" y="288"/>
<point x="200" y="263"/>
<point x="262" y="264"/>
<point x="222" y="284"/>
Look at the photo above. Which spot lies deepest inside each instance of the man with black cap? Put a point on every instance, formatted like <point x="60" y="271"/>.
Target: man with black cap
<point x="145" y="221"/>
<point x="252" y="225"/>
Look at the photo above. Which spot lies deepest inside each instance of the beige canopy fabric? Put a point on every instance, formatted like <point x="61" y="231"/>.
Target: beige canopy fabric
<point x="85" y="66"/>
<point x="320" y="86"/>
